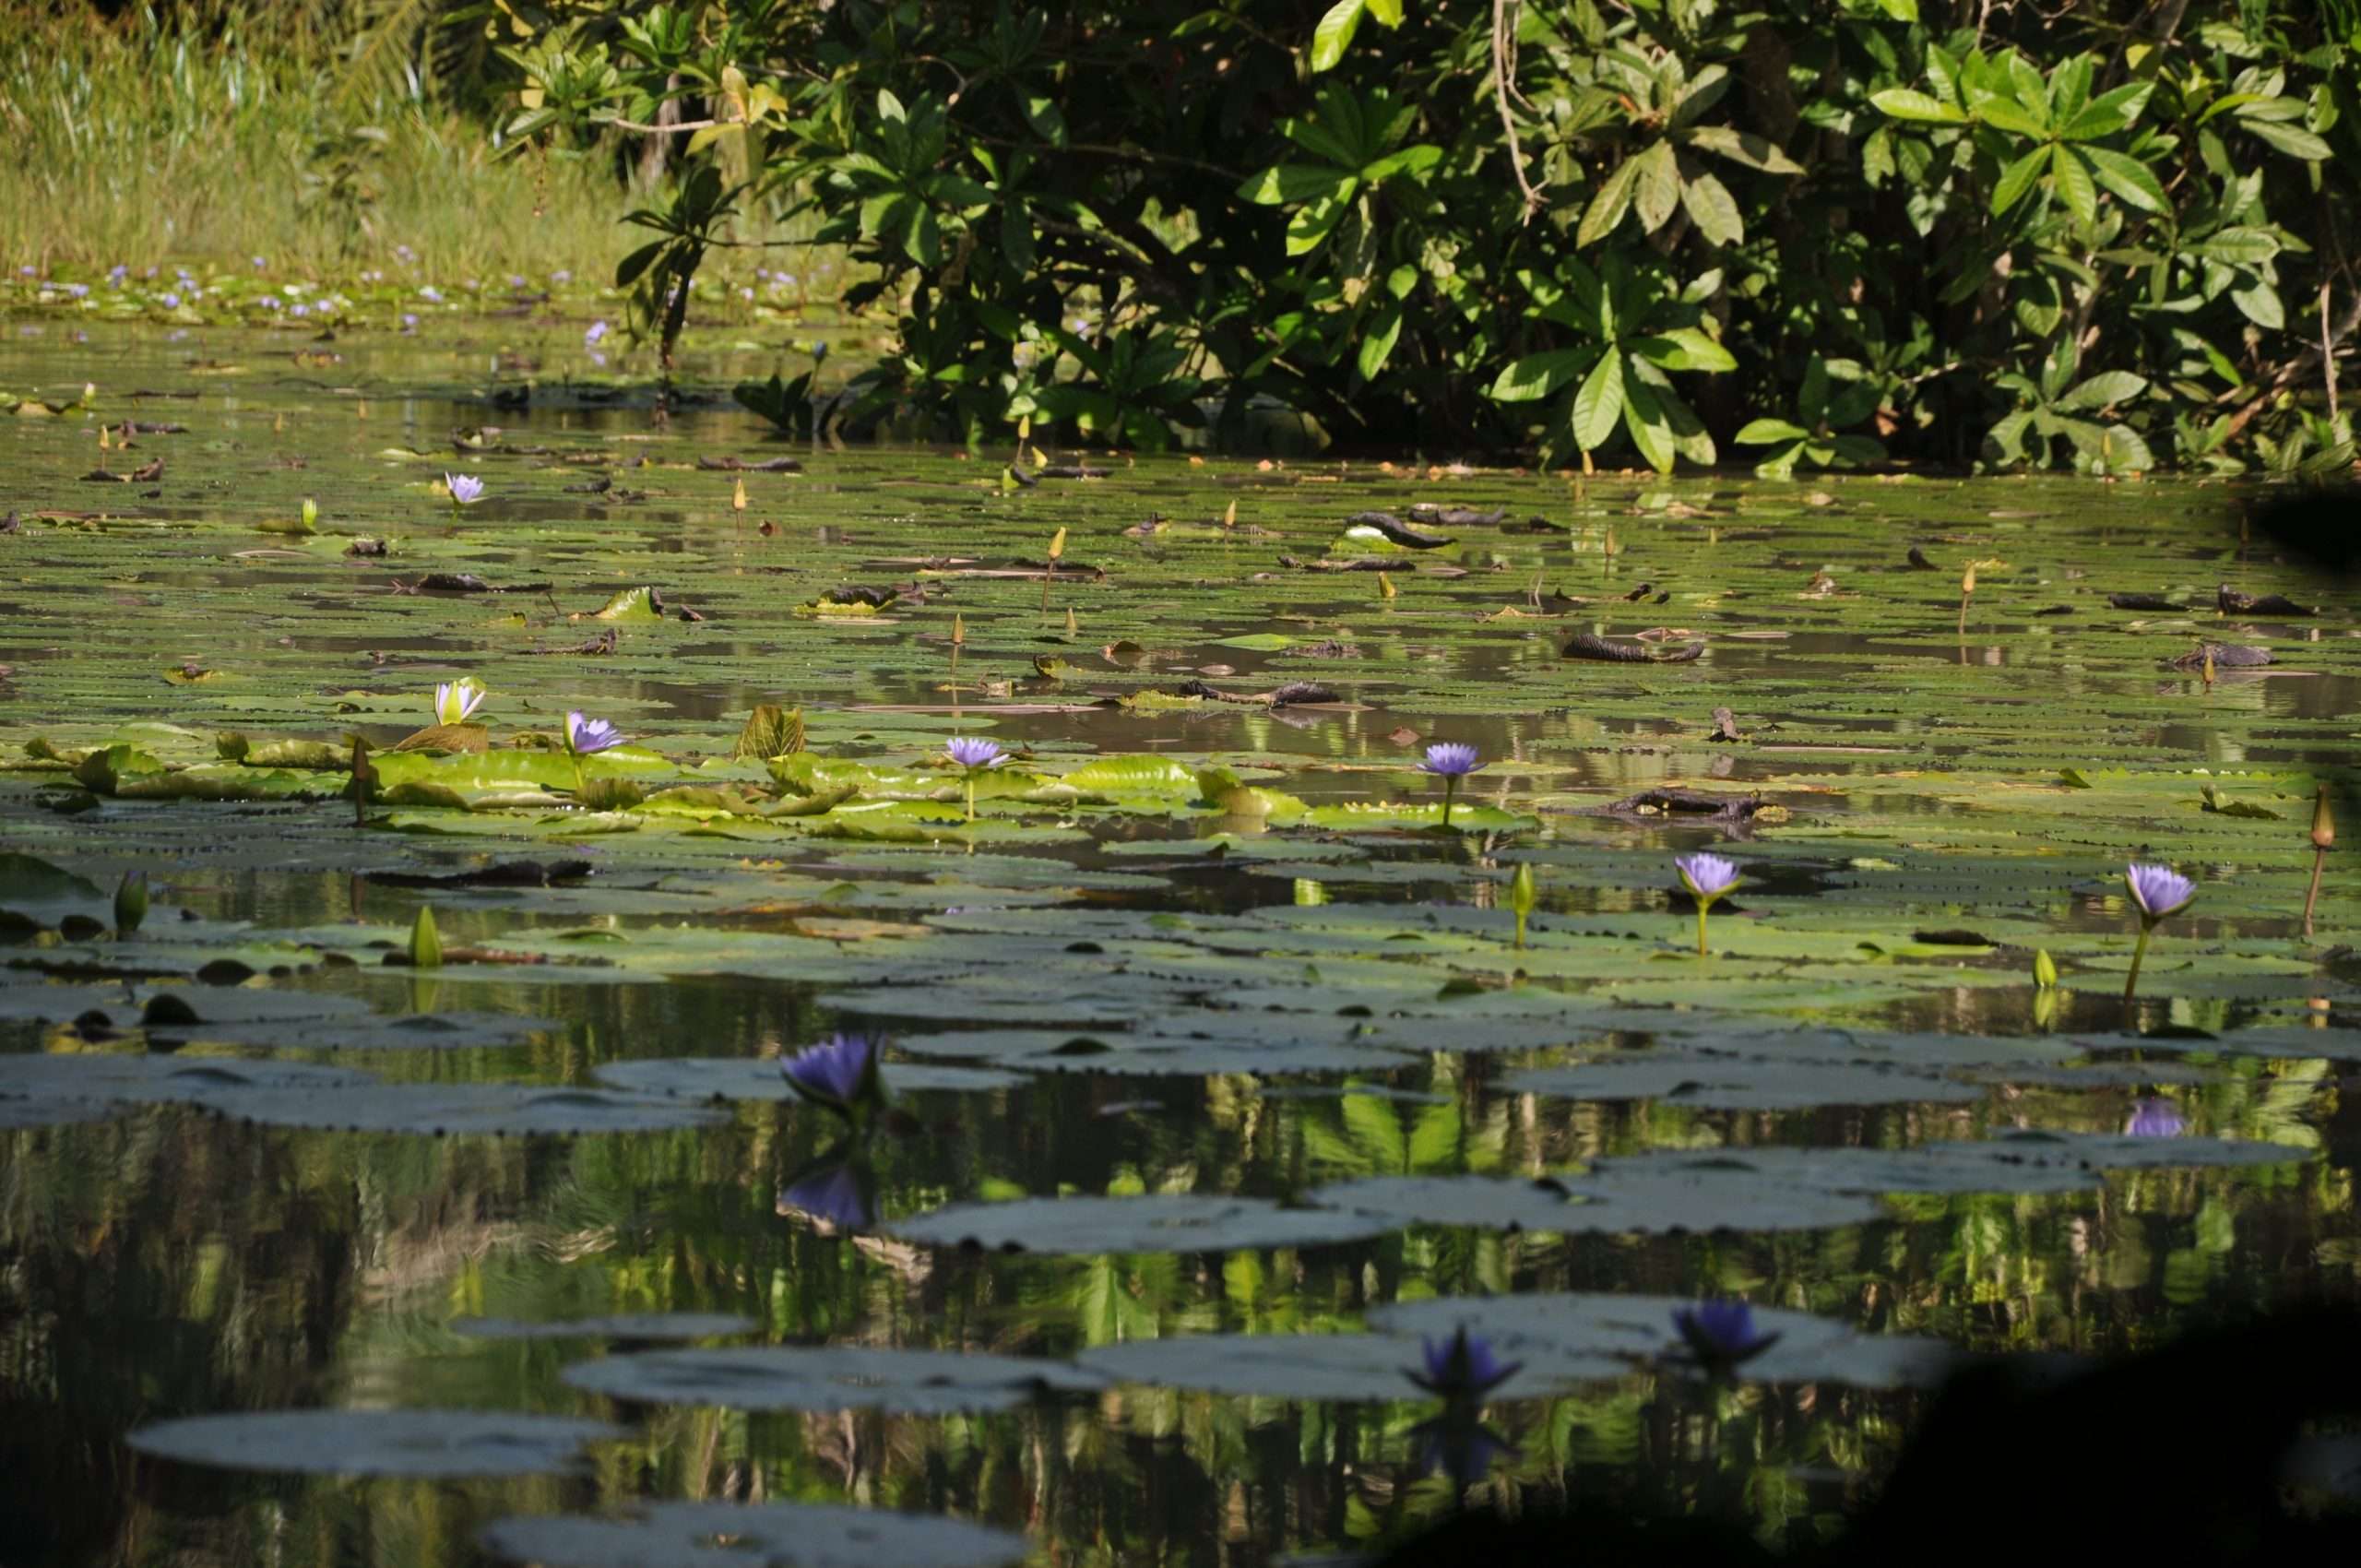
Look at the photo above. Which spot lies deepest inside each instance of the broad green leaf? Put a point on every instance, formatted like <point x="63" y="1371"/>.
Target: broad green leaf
<point x="2120" y="450"/>
<point x="1410" y="161"/>
<point x="2239" y="246"/>
<point x="1763" y="432"/>
<point x="1683" y="348"/>
<point x="1388" y="12"/>
<point x="2293" y="140"/>
<point x="2127" y="178"/>
<point x="1334" y="34"/>
<point x="1658" y="190"/>
<point x="1600" y="402"/>
<point x="1284" y="183"/>
<point x="1607" y="207"/>
<point x="1907" y="103"/>
<point x="2074" y="187"/>
<point x="1315" y="222"/>
<point x="2259" y="303"/>
<point x="2017" y="179"/>
<point x="2102" y="390"/>
<point x="2007" y="114"/>
<point x="1712" y="210"/>
<point x="1645" y="419"/>
<point x="1378" y="340"/>
<point x="1745" y="146"/>
<point x="1537" y="375"/>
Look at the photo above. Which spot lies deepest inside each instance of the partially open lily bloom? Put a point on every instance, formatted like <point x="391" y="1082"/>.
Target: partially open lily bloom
<point x="973" y="752"/>
<point x="593" y="333"/>
<point x="1462" y="1368"/>
<point x="465" y="489"/>
<point x="1706" y="876"/>
<point x="2155" y="1117"/>
<point x="586" y="735"/>
<point x="1721" y="1335"/>
<point x="456" y="701"/>
<point x="2160" y="891"/>
<point x="840" y="1075"/>
<point x="1450" y="759"/>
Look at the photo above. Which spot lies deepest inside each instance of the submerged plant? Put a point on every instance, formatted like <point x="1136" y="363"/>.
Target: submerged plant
<point x="976" y="755"/>
<point x="456" y="701"/>
<point x="1450" y="761"/>
<point x="2161" y="893"/>
<point x="1721" y="1335"/>
<point x="1706" y="877"/>
<point x="839" y="1075"/>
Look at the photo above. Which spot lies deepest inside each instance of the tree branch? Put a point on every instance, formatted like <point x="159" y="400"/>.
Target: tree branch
<point x="1503" y="42"/>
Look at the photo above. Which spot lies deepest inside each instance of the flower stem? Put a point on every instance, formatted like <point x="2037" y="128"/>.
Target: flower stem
<point x="971" y="797"/>
<point x="2132" y="981"/>
<point x="1520" y="931"/>
<point x="2312" y="895"/>
<point x="577" y="758"/>
<point x="1450" y="789"/>
<point x="1702" y="906"/>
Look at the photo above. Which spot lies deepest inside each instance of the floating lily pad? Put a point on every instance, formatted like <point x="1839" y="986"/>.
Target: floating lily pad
<point x="1729" y="1083"/>
<point x="759" y="1078"/>
<point x="454" y="1444"/>
<point x="732" y="1534"/>
<point x="440" y="1109"/>
<point x="828" y="1377"/>
<point x="122" y="1079"/>
<point x="1169" y="1222"/>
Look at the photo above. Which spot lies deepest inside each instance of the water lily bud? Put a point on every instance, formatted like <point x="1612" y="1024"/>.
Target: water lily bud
<point x="310" y="512"/>
<point x="1967" y="581"/>
<point x="2045" y="969"/>
<point x="130" y="902"/>
<point x="2323" y="822"/>
<point x="425" y="946"/>
<point x="1521" y="890"/>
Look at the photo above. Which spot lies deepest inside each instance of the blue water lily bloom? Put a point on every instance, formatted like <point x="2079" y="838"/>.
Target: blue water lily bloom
<point x="1721" y="1334"/>
<point x="839" y="1075"/>
<point x="1450" y="761"/>
<point x="977" y="756"/>
<point x="465" y="488"/>
<point x="2155" y="1117"/>
<point x="1706" y="877"/>
<point x="2161" y="893"/>
<point x="594" y="334"/>
<point x="456" y="701"/>
<point x="1463" y="1368"/>
<point x="585" y="736"/>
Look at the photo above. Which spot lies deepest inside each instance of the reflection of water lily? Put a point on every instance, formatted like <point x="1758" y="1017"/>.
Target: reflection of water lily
<point x="456" y="701"/>
<point x="1463" y="1368"/>
<point x="1460" y="1446"/>
<point x="1706" y="877"/>
<point x="836" y="1192"/>
<point x="839" y="1075"/>
<point x="2161" y="893"/>
<point x="1450" y="761"/>
<point x="2155" y="1117"/>
<point x="1721" y="1335"/>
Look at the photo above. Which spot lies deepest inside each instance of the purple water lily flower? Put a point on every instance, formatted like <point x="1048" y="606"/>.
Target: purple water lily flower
<point x="839" y="1075"/>
<point x="971" y="751"/>
<point x="592" y="334"/>
<point x="2155" y="1117"/>
<point x="2160" y="891"/>
<point x="171" y="301"/>
<point x="585" y="736"/>
<point x="465" y="488"/>
<point x="1463" y="1368"/>
<point x="456" y="701"/>
<point x="1706" y="876"/>
<point x="1450" y="759"/>
<point x="1720" y="1334"/>
<point x="409" y="320"/>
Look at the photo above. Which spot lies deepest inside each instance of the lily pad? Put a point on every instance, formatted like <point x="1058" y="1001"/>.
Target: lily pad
<point x="759" y="1078"/>
<point x="734" y="1534"/>
<point x="446" y="1445"/>
<point x="620" y="1325"/>
<point x="1169" y="1222"/>
<point x="1356" y="1367"/>
<point x="828" y="1377"/>
<point x="520" y="1110"/>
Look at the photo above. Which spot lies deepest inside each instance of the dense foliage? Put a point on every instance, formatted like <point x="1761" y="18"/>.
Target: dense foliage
<point x="2113" y="232"/>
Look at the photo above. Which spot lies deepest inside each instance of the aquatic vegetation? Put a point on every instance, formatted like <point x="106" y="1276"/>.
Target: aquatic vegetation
<point x="1706" y="878"/>
<point x="2160" y="893"/>
<point x="455" y="701"/>
<point x="841" y="1074"/>
<point x="130" y="903"/>
<point x="973" y="755"/>
<point x="464" y="490"/>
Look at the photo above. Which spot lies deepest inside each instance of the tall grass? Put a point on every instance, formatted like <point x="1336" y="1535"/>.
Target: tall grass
<point x="140" y="142"/>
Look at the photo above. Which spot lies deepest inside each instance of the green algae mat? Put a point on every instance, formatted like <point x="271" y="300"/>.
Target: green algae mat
<point x="408" y="902"/>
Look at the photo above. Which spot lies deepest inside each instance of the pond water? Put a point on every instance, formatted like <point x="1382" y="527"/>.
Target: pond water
<point x="1221" y="1075"/>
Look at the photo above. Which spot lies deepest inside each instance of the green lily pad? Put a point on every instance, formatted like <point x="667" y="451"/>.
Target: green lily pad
<point x="828" y="1377"/>
<point x="454" y="1444"/>
<point x="731" y="1534"/>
